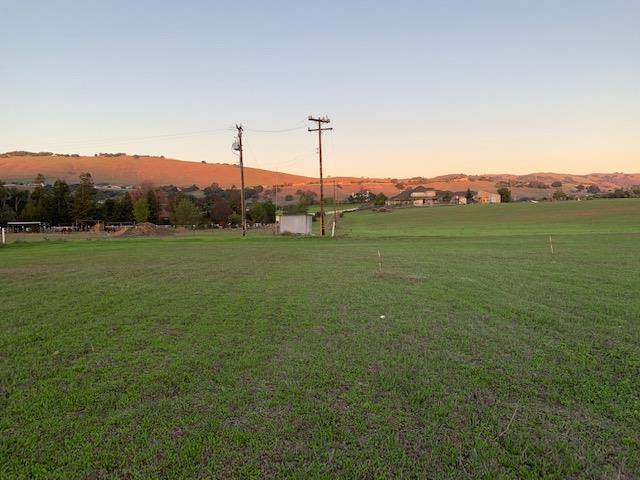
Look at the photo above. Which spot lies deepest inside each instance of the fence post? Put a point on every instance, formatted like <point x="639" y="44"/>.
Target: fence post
<point x="4" y="240"/>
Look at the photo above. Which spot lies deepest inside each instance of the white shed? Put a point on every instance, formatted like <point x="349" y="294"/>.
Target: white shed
<point x="300" y="224"/>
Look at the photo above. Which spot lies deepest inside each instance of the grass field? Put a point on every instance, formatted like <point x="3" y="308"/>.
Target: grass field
<point x="212" y="356"/>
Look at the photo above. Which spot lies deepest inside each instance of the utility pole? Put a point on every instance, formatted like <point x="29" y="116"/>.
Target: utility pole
<point x="276" y="216"/>
<point x="320" y="121"/>
<point x="237" y="146"/>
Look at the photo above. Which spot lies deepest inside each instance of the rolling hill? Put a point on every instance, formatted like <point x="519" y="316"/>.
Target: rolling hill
<point x="121" y="169"/>
<point x="131" y="170"/>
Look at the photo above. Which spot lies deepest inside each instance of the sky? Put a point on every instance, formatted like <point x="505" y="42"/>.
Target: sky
<point x="411" y="87"/>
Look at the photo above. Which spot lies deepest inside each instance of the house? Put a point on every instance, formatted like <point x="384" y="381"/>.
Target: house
<point x="419" y="197"/>
<point x="459" y="199"/>
<point x="487" y="197"/>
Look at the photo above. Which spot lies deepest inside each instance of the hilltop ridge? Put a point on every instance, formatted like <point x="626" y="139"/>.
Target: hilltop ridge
<point x="123" y="169"/>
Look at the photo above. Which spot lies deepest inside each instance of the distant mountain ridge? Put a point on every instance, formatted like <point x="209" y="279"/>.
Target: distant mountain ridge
<point x="122" y="169"/>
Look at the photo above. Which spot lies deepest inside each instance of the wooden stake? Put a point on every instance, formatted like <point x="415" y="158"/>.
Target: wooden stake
<point x="379" y="261"/>
<point x="551" y="244"/>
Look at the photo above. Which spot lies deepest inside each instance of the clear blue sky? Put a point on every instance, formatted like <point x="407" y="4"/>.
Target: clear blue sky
<point x="412" y="88"/>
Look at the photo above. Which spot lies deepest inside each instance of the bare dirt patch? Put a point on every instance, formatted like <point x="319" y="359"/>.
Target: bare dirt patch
<point x="144" y="230"/>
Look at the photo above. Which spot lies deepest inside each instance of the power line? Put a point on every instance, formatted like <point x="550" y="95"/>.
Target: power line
<point x="295" y="160"/>
<point x="114" y="140"/>
<point x="299" y="127"/>
<point x="111" y="140"/>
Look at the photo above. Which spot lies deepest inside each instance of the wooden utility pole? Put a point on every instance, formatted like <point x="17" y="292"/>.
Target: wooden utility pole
<point x="320" y="121"/>
<point x="238" y="146"/>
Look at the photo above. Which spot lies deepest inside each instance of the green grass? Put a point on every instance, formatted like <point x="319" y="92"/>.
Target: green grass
<point x="595" y="216"/>
<point x="211" y="356"/>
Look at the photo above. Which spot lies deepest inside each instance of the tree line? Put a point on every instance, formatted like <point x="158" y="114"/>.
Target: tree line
<point x="83" y="204"/>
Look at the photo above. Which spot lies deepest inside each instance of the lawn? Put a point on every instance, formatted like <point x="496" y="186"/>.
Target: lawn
<point x="474" y="353"/>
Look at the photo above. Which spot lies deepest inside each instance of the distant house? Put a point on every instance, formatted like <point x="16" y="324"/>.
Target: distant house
<point x="419" y="197"/>
<point x="459" y="199"/>
<point x="487" y="197"/>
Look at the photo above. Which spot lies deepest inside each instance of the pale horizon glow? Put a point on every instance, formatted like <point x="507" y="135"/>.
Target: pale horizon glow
<point x="412" y="88"/>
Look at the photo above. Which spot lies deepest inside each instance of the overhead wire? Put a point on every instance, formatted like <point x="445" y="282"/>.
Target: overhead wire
<point x="113" y="140"/>
<point x="117" y="140"/>
<point x="300" y="126"/>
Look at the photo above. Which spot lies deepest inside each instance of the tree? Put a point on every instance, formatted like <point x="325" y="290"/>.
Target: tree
<point x="7" y="214"/>
<point x="363" y="196"/>
<point x="61" y="203"/>
<point x="235" y="219"/>
<point x="125" y="208"/>
<point x="619" y="193"/>
<point x="269" y="211"/>
<point x="220" y="210"/>
<point x="109" y="210"/>
<point x="233" y="197"/>
<point x="141" y="210"/>
<point x="559" y="195"/>
<point x="17" y="200"/>
<point x="303" y="203"/>
<point x="593" y="189"/>
<point x="154" y="206"/>
<point x="556" y="184"/>
<point x="263" y="212"/>
<point x="213" y="190"/>
<point x="380" y="200"/>
<point x="4" y="194"/>
<point x="580" y="187"/>
<point x="252" y="192"/>
<point x="505" y="194"/>
<point x="469" y="195"/>
<point x="300" y="207"/>
<point x="447" y="196"/>
<point x="37" y="205"/>
<point x="307" y="197"/>
<point x="185" y="213"/>
<point x="83" y="199"/>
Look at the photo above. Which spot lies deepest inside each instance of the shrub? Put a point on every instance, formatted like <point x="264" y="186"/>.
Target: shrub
<point x="505" y="194"/>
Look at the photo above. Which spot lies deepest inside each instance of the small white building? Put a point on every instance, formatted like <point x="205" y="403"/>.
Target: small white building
<point x="298" y="224"/>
